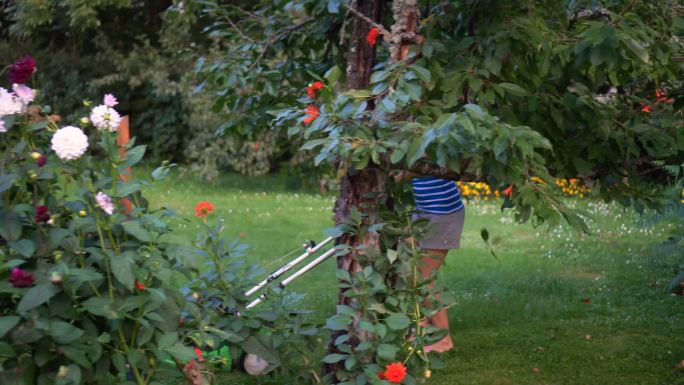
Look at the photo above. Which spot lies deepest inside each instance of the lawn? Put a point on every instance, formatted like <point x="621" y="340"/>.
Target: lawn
<point x="556" y="307"/>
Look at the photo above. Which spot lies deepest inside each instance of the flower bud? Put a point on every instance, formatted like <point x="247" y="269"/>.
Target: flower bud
<point x="85" y="120"/>
<point x="82" y="213"/>
<point x="55" y="278"/>
<point x="427" y="373"/>
<point x="63" y="372"/>
<point x="87" y="103"/>
<point x="35" y="155"/>
<point x="58" y="255"/>
<point x="33" y="175"/>
<point x="195" y="295"/>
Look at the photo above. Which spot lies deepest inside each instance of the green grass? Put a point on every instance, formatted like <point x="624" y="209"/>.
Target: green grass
<point x="525" y="310"/>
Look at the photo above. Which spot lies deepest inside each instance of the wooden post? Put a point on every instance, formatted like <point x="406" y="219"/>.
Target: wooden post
<point x="123" y="136"/>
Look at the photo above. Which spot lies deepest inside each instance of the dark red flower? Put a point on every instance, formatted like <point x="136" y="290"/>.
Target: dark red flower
<point x="42" y="213"/>
<point x="372" y="35"/>
<point x="41" y="161"/>
<point x="139" y="285"/>
<point x="21" y="278"/>
<point x="313" y="87"/>
<point x="20" y="72"/>
<point x="312" y="113"/>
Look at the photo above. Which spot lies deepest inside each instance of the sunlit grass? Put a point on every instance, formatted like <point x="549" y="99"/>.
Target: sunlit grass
<point x="581" y="309"/>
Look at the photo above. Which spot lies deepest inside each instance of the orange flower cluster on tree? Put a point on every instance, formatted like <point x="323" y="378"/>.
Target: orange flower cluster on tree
<point x="313" y="87"/>
<point x="203" y="209"/>
<point x="312" y="113"/>
<point x="661" y="97"/>
<point x="372" y="36"/>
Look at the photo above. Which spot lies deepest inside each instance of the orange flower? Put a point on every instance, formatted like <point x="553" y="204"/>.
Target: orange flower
<point x="646" y="109"/>
<point x="313" y="87"/>
<point x="372" y="36"/>
<point x="508" y="191"/>
<point x="312" y="113"/>
<point x="139" y="285"/>
<point x="203" y="209"/>
<point x="395" y="372"/>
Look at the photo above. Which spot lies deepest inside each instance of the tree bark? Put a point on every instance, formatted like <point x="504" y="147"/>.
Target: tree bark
<point x="362" y="190"/>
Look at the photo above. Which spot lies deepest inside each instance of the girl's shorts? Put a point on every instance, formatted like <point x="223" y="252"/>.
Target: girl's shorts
<point x="444" y="230"/>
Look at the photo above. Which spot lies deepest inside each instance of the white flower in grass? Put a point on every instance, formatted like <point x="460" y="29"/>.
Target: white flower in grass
<point x="105" y="118"/>
<point x="10" y="104"/>
<point x="104" y="201"/>
<point x="69" y="143"/>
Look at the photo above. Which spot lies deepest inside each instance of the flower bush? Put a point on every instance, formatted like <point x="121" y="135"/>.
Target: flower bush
<point x="84" y="284"/>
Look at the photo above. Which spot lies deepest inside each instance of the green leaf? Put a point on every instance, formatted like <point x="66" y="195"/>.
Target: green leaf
<point x="338" y="322"/>
<point x="513" y="89"/>
<point x="7" y="323"/>
<point x="37" y="296"/>
<point x="135" y="229"/>
<point x="122" y="268"/>
<point x="387" y="352"/>
<point x="637" y="48"/>
<point x="253" y="346"/>
<point x="398" y="321"/>
<point x="10" y="225"/>
<point x="24" y="247"/>
<point x="333" y="75"/>
<point x="133" y="156"/>
<point x="181" y="352"/>
<point x="484" y="234"/>
<point x="422" y="73"/>
<point x="334" y="357"/>
<point x="102" y="307"/>
<point x="392" y="255"/>
<point x="77" y="355"/>
<point x="63" y="332"/>
<point x="6" y="181"/>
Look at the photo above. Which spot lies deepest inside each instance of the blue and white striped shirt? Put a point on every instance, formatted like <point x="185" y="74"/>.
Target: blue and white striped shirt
<point x="436" y="196"/>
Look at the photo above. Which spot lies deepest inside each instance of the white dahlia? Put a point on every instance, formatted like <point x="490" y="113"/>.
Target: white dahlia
<point x="69" y="143"/>
<point x="105" y="118"/>
<point x="10" y="104"/>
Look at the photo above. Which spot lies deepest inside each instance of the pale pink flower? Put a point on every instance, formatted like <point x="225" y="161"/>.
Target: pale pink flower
<point x="104" y="201"/>
<point x="2" y="126"/>
<point x="110" y="100"/>
<point x="26" y="94"/>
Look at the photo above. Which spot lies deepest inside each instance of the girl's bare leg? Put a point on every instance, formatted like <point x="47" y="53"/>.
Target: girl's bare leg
<point x="432" y="261"/>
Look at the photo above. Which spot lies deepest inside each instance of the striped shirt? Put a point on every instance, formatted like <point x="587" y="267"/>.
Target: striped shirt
<point x="436" y="196"/>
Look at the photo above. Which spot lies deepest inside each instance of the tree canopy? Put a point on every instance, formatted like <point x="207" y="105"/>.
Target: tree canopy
<point x="499" y="91"/>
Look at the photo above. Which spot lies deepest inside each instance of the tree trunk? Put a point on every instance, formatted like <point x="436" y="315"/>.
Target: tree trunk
<point x="365" y="190"/>
<point x="361" y="190"/>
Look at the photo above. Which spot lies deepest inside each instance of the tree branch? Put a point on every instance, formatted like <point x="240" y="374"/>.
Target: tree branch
<point x="365" y="18"/>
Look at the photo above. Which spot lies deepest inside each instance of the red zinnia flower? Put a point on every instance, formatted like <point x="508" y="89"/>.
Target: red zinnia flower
<point x="21" y="70"/>
<point x="508" y="191"/>
<point x="646" y="109"/>
<point x="312" y="113"/>
<point x="21" y="278"/>
<point x="42" y="213"/>
<point x="395" y="372"/>
<point x="203" y="209"/>
<point x="313" y="87"/>
<point x="139" y="285"/>
<point x="372" y="35"/>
